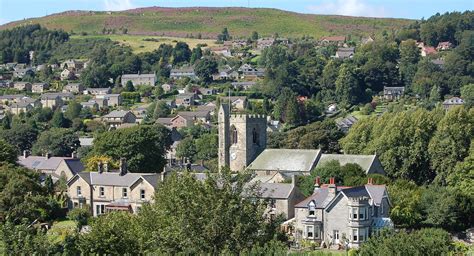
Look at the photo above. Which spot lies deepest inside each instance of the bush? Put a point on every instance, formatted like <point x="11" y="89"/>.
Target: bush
<point x="80" y="215"/>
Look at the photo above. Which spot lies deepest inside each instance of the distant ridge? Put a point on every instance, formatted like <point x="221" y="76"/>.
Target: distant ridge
<point x="209" y="21"/>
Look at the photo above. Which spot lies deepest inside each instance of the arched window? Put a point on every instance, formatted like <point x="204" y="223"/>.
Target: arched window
<point x="255" y="136"/>
<point x="233" y="135"/>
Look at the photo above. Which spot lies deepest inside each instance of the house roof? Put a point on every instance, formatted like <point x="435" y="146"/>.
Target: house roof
<point x="164" y="120"/>
<point x="276" y="190"/>
<point x="333" y="38"/>
<point x="289" y="160"/>
<point x="364" y="161"/>
<point x="193" y="114"/>
<point x="132" y="76"/>
<point x="52" y="163"/>
<point x="117" y="114"/>
<point x="453" y="101"/>
<point x="115" y="179"/>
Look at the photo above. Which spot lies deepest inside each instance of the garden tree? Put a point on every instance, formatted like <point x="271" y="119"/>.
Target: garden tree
<point x="181" y="53"/>
<point x="143" y="146"/>
<point x="328" y="78"/>
<point x="58" y="120"/>
<point x="309" y="68"/>
<point x="286" y="108"/>
<point x="186" y="149"/>
<point x="21" y="135"/>
<point x="6" y="122"/>
<point x="446" y="208"/>
<point x="57" y="142"/>
<point x="427" y="241"/>
<point x="318" y="135"/>
<point x="276" y="62"/>
<point x="348" y="89"/>
<point x="43" y="114"/>
<point x="8" y="153"/>
<point x="451" y="142"/>
<point x="129" y="87"/>
<point x="196" y="54"/>
<point x="206" y="147"/>
<point x="80" y="215"/>
<point x="23" y="240"/>
<point x="254" y="36"/>
<point x="93" y="161"/>
<point x="401" y="141"/>
<point x="406" y="210"/>
<point x="462" y="178"/>
<point x="95" y="76"/>
<point x="409" y="57"/>
<point x="205" y="68"/>
<point x="228" y="224"/>
<point x="161" y="110"/>
<point x="224" y="35"/>
<point x="467" y="94"/>
<point x="73" y="110"/>
<point x="115" y="233"/>
<point x="426" y="77"/>
<point x="23" y="199"/>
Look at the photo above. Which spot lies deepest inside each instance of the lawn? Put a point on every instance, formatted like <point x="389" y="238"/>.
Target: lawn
<point x="60" y="229"/>
<point x="140" y="44"/>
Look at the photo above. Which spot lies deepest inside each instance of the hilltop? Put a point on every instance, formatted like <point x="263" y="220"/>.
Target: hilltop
<point x="241" y="22"/>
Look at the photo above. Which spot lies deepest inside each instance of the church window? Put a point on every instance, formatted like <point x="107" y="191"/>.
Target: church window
<point x="233" y="135"/>
<point x="255" y="136"/>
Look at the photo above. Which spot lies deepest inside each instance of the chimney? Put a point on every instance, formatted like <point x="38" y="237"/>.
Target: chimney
<point x="48" y="155"/>
<point x="332" y="187"/>
<point x="317" y="183"/>
<point x="293" y="181"/>
<point x="99" y="167"/>
<point x="370" y="181"/>
<point x="123" y="166"/>
<point x="106" y="167"/>
<point x="25" y="154"/>
<point x="73" y="155"/>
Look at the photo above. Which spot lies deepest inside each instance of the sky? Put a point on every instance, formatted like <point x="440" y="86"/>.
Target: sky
<point x="11" y="10"/>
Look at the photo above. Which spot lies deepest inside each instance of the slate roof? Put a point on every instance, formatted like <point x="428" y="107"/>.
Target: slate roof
<point x="286" y="160"/>
<point x="131" y="76"/>
<point x="115" y="179"/>
<point x="193" y="114"/>
<point x="117" y="114"/>
<point x="52" y="163"/>
<point x="364" y="161"/>
<point x="276" y="190"/>
<point x="320" y="197"/>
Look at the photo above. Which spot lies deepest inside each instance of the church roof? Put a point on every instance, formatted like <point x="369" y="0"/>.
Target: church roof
<point x="286" y="160"/>
<point x="364" y="161"/>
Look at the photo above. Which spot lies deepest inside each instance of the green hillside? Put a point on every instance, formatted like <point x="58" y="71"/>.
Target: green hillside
<point x="241" y="22"/>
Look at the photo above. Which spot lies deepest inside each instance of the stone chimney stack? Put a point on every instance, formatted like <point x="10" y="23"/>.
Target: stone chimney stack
<point x="99" y="167"/>
<point x="317" y="183"/>
<point x="25" y="154"/>
<point x="48" y="155"/>
<point x="73" y="155"/>
<point x="123" y="166"/>
<point x="106" y="167"/>
<point x="293" y="180"/>
<point x="332" y="187"/>
<point x="370" y="181"/>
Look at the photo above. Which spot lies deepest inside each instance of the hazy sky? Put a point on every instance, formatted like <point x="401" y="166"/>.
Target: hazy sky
<point x="11" y="10"/>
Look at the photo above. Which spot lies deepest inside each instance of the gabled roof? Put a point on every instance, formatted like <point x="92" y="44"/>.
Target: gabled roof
<point x="52" y="163"/>
<point x="364" y="161"/>
<point x="117" y="114"/>
<point x="131" y="76"/>
<point x="286" y="160"/>
<point x="194" y="114"/>
<point x="115" y="179"/>
<point x="320" y="197"/>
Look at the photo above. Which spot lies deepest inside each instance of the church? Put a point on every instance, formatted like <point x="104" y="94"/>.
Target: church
<point x="242" y="145"/>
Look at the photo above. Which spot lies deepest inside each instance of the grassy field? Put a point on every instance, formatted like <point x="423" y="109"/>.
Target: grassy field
<point x="241" y="22"/>
<point x="140" y="43"/>
<point x="60" y="229"/>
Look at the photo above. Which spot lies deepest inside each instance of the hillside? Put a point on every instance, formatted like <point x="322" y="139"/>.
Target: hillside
<point x="241" y="22"/>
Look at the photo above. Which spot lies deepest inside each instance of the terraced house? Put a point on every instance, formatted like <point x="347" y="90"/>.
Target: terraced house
<point x="116" y="190"/>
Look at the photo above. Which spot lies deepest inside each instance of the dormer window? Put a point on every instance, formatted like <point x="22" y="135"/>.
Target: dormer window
<point x="312" y="209"/>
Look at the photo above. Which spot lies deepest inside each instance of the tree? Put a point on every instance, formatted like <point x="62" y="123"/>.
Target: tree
<point x="348" y="88"/>
<point x="21" y="135"/>
<point x="467" y="93"/>
<point x="95" y="75"/>
<point x="451" y="141"/>
<point x="462" y="178"/>
<point x="186" y="149"/>
<point x="181" y="53"/>
<point x="57" y="142"/>
<point x="24" y="240"/>
<point x="228" y="223"/>
<point x="224" y="35"/>
<point x="206" y="146"/>
<point x="196" y="55"/>
<point x="8" y="153"/>
<point x="161" y="110"/>
<point x="409" y="57"/>
<point x="254" y="36"/>
<point x="58" y="120"/>
<point x="115" y="233"/>
<point x="129" y="87"/>
<point x="73" y="110"/>
<point x="205" y="68"/>
<point x="143" y="146"/>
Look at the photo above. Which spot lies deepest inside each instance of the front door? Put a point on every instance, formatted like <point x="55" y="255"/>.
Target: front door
<point x="336" y="236"/>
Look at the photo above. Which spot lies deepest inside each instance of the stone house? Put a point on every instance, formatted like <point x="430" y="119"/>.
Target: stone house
<point x="224" y="51"/>
<point x="20" y="107"/>
<point x="51" y="101"/>
<point x="344" y="124"/>
<point x="4" y="99"/>
<point x="452" y="102"/>
<point x="197" y="116"/>
<point x="443" y="46"/>
<point x="263" y="43"/>
<point x="105" y="191"/>
<point x="98" y="92"/>
<point x="248" y="71"/>
<point x="56" y="167"/>
<point x="393" y="93"/>
<point x="39" y="87"/>
<point x="342" y="216"/>
<point x="22" y="72"/>
<point x="113" y="99"/>
<point x="67" y="74"/>
<point x="333" y="40"/>
<point x="243" y="85"/>
<point x="22" y="86"/>
<point x="182" y="73"/>
<point x="185" y="99"/>
<point x="167" y="87"/>
<point x="72" y="65"/>
<point x="90" y="105"/>
<point x="139" y="79"/>
<point x="76" y="88"/>
<point x="344" y="53"/>
<point x="117" y="118"/>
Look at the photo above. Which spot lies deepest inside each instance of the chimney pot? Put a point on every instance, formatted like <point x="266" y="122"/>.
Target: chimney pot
<point x="123" y="166"/>
<point x="25" y="154"/>
<point x="317" y="182"/>
<point x="370" y="181"/>
<point x="99" y="167"/>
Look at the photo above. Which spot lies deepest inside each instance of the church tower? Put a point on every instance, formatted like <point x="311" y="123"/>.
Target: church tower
<point x="242" y="138"/>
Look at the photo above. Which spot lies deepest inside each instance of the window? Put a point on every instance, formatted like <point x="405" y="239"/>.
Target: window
<point x="312" y="208"/>
<point x="354" y="213"/>
<point x="100" y="209"/>
<point x="255" y="136"/>
<point x="79" y="192"/>
<point x="233" y="135"/>
<point x="124" y="192"/>
<point x="362" y="213"/>
<point x="309" y="231"/>
<point x="142" y="194"/>
<point x="362" y="234"/>
<point x="336" y="235"/>
<point x="101" y="191"/>
<point x="355" y="234"/>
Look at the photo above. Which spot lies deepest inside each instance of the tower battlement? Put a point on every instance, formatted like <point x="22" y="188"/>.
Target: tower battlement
<point x="247" y="117"/>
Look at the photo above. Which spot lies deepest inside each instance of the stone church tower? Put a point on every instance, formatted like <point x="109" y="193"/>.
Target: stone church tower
<point x="242" y="138"/>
